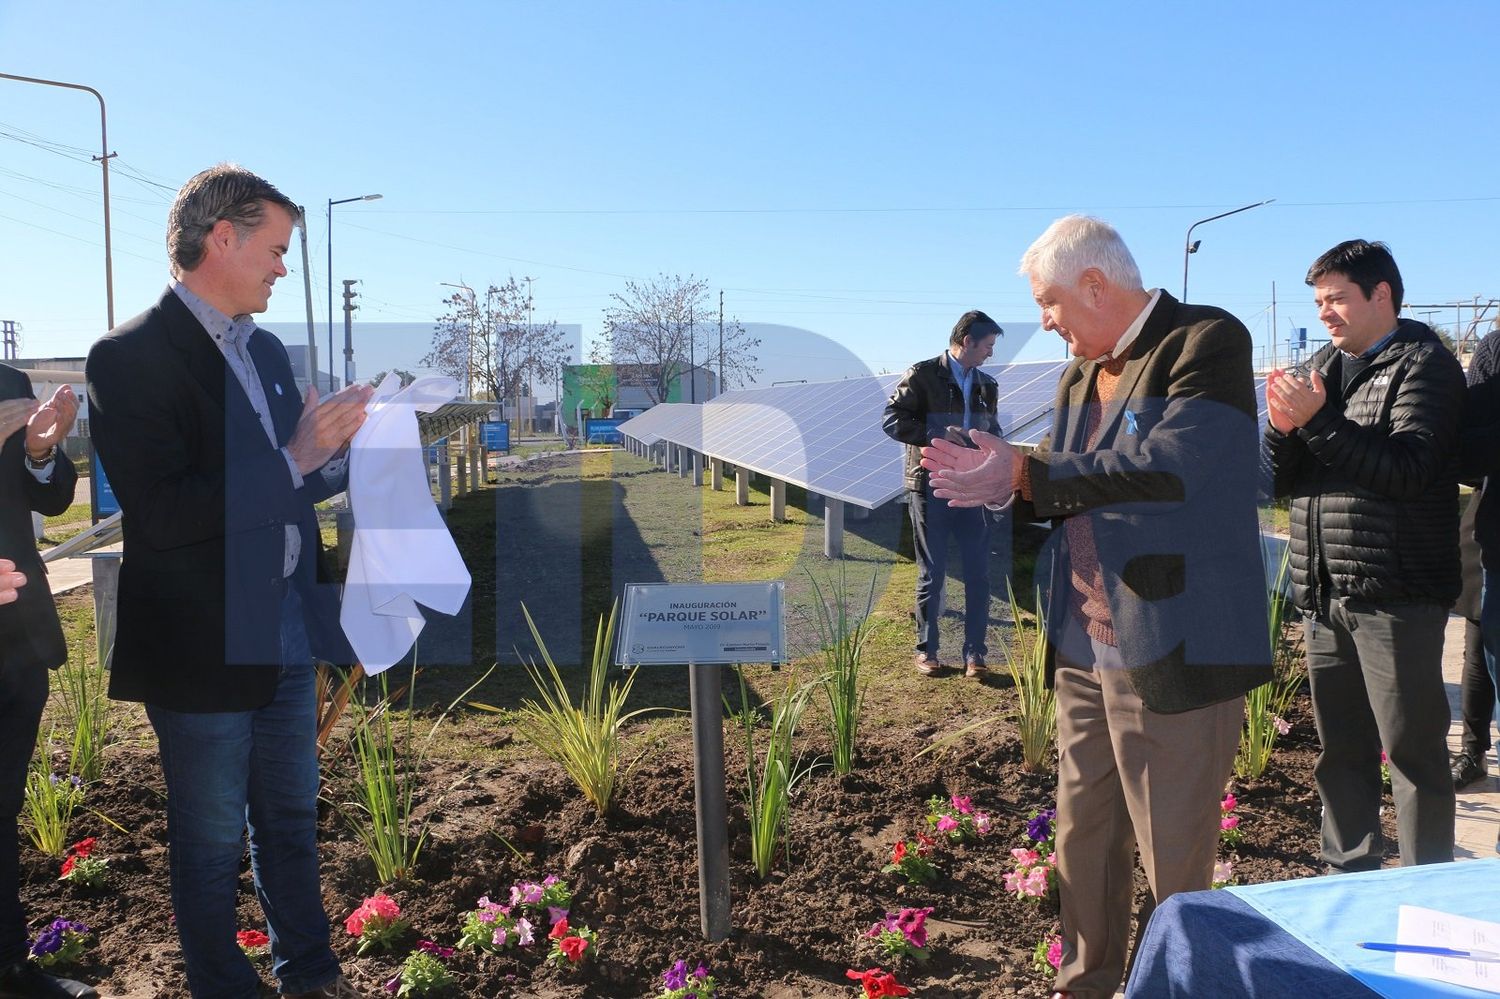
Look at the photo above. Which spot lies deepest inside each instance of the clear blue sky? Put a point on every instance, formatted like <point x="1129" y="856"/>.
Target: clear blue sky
<point x="865" y="171"/>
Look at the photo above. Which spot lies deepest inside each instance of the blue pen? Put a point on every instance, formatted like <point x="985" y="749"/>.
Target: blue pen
<point x="1467" y="955"/>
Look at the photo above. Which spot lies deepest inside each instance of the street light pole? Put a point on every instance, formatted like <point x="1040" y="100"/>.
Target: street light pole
<point x="1191" y="247"/>
<point x="331" y="203"/>
<point x="104" y="157"/>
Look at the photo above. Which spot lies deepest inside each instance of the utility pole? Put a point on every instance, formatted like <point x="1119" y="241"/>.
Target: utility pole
<point x="8" y="339"/>
<point x="721" y="343"/>
<point x="530" y="329"/>
<point x="1273" y="324"/>
<point x="692" y="356"/>
<point x="349" y="296"/>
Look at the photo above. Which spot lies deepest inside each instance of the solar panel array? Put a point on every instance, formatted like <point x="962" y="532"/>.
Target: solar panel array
<point x="824" y="436"/>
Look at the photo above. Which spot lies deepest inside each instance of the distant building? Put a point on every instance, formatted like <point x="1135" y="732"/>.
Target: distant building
<point x="587" y="387"/>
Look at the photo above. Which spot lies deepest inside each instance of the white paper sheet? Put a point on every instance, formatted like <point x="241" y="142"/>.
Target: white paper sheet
<point x="1431" y="928"/>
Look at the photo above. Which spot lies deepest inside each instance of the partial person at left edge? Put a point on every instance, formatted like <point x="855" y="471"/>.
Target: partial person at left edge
<point x="216" y="464"/>
<point x="35" y="475"/>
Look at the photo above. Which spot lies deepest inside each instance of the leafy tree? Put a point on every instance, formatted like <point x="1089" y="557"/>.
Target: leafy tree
<point x="492" y="338"/>
<point x="658" y="328"/>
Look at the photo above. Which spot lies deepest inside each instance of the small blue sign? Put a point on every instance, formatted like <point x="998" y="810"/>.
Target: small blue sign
<point x="495" y="435"/>
<point x="435" y="450"/>
<point x="105" y="504"/>
<point x="602" y="431"/>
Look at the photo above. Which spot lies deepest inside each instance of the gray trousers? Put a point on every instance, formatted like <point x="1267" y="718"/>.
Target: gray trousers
<point x="1377" y="683"/>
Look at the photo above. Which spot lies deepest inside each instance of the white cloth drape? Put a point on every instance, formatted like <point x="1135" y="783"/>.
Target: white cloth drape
<point x="402" y="554"/>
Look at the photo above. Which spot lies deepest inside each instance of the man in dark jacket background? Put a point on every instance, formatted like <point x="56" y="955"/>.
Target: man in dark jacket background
<point x="1365" y="442"/>
<point x="34" y="475"/>
<point x="947" y="396"/>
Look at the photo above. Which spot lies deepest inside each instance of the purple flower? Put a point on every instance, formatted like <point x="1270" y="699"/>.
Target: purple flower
<point x="676" y="976"/>
<point x="555" y="915"/>
<point x="1039" y="828"/>
<point x="700" y="972"/>
<point x="394" y="985"/>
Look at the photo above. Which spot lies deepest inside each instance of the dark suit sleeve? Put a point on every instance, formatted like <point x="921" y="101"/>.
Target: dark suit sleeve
<point x="148" y="432"/>
<point x="1479" y="443"/>
<point x="1202" y="426"/>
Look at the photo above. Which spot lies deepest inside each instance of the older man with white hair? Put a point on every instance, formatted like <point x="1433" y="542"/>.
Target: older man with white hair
<point x="1155" y="595"/>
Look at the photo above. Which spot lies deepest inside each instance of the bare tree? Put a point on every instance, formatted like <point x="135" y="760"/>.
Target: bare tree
<point x="658" y="329"/>
<point x="491" y="340"/>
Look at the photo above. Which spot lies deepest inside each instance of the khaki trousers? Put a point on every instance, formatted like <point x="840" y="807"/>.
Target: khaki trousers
<point x="1129" y="776"/>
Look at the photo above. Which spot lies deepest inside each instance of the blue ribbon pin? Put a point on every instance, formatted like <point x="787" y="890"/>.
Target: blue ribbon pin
<point x="1131" y="427"/>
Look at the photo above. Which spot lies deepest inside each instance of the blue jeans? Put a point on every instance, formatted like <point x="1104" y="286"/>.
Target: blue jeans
<point x="932" y="520"/>
<point x="230" y="771"/>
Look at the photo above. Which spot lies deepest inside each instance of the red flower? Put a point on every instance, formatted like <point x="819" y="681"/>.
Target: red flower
<point x="67" y="868"/>
<point x="573" y="947"/>
<point x="924" y="843"/>
<point x="899" y="852"/>
<point x="877" y="983"/>
<point x="251" y="938"/>
<point x="559" y="929"/>
<point x="83" y="847"/>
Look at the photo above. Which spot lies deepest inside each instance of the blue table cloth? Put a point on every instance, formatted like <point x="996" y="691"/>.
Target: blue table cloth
<point x="1298" y="938"/>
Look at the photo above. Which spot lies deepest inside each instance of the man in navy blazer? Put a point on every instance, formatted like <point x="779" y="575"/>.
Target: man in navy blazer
<point x="34" y="476"/>
<point x="216" y="465"/>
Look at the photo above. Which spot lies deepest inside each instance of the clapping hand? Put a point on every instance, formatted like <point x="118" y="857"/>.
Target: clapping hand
<point x="972" y="476"/>
<point x="50" y="423"/>
<point x="325" y="427"/>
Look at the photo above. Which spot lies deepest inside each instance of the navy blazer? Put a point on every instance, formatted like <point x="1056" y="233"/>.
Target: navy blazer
<point x="29" y="631"/>
<point x="206" y="499"/>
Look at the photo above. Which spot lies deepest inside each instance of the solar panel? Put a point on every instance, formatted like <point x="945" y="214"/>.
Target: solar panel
<point x="826" y="436"/>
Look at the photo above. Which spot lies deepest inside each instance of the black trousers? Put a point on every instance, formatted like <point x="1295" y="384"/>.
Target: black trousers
<point x="23" y="692"/>
<point x="1476" y="697"/>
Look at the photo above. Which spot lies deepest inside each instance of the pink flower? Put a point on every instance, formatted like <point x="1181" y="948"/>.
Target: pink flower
<point x="1228" y="804"/>
<point x="913" y="925"/>
<point x="524" y="935"/>
<point x="1223" y="871"/>
<point x="947" y="824"/>
<point x="1054" y="952"/>
<point x="1229" y="822"/>
<point x="982" y="823"/>
<point x="1014" y="882"/>
<point x="1282" y="726"/>
<point x="1024" y="858"/>
<point x="1383" y="757"/>
<point x="963" y="803"/>
<point x="1052" y="860"/>
<point x="1036" y="882"/>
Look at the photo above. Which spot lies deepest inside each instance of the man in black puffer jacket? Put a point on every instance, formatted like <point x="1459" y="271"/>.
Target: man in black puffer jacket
<point x="947" y="396"/>
<point x="1365" y="441"/>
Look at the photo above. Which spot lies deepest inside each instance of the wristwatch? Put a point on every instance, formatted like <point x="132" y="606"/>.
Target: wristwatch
<point x="44" y="462"/>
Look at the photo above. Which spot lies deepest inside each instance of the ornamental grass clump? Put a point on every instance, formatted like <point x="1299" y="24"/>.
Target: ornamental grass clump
<point x="388" y="769"/>
<point x="842" y="635"/>
<point x="768" y="789"/>
<point x="586" y="741"/>
<point x="49" y="803"/>
<point x="1036" y="702"/>
<point x="1266" y="706"/>
<point x="85" y="716"/>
